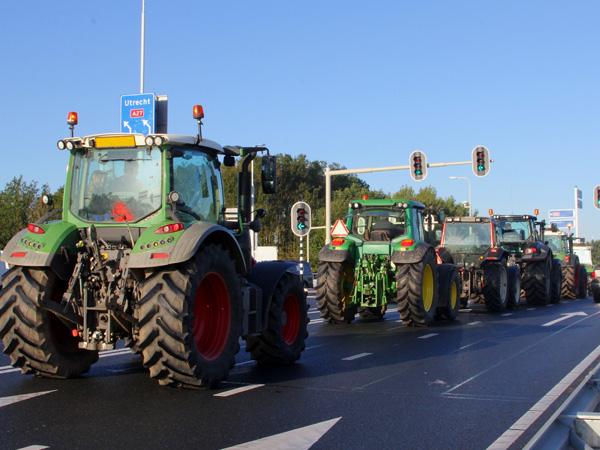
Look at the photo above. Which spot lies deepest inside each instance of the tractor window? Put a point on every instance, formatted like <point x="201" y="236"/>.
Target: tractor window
<point x="195" y="175"/>
<point x="556" y="243"/>
<point x="467" y="237"/>
<point x="379" y="224"/>
<point x="514" y="229"/>
<point x="115" y="185"/>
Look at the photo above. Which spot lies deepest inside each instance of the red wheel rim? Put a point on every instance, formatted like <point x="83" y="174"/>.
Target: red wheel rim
<point x="290" y="318"/>
<point x="212" y="316"/>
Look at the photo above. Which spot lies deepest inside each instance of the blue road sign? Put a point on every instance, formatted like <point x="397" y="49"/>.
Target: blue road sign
<point x="564" y="223"/>
<point x="561" y="213"/>
<point x="138" y="113"/>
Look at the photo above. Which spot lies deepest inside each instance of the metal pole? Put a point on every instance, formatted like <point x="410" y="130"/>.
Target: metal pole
<point x="301" y="262"/>
<point x="143" y="46"/>
<point x="576" y="213"/>
<point x="327" y="205"/>
<point x="469" y="180"/>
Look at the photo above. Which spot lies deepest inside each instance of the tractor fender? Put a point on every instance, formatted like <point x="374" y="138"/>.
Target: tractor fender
<point x="445" y="255"/>
<point x="20" y="251"/>
<point x="495" y="254"/>
<point x="411" y="257"/>
<point x="573" y="260"/>
<point x="187" y="245"/>
<point x="543" y="252"/>
<point x="328" y="254"/>
<point x="266" y="275"/>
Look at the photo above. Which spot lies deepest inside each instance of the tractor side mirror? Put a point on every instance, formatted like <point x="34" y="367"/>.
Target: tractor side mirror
<point x="269" y="174"/>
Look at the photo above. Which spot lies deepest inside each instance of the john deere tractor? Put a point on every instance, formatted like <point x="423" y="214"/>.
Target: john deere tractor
<point x="473" y="245"/>
<point x="385" y="258"/>
<point x="541" y="275"/>
<point x="141" y="251"/>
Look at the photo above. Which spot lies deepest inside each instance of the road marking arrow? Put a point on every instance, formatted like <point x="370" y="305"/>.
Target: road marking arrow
<point x="4" y="401"/>
<point x="298" y="439"/>
<point x="565" y="317"/>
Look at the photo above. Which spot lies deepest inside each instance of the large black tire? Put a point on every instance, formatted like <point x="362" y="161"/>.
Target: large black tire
<point x="417" y="291"/>
<point x="36" y="340"/>
<point x="514" y="287"/>
<point x="570" y="283"/>
<point x="495" y="286"/>
<point x="449" y="292"/>
<point x="536" y="281"/>
<point x="556" y="282"/>
<point x="282" y="340"/>
<point x="596" y="293"/>
<point x="335" y="285"/>
<point x="190" y="320"/>
<point x="582" y="285"/>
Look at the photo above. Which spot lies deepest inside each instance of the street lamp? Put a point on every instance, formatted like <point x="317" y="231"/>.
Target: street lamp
<point x="465" y="178"/>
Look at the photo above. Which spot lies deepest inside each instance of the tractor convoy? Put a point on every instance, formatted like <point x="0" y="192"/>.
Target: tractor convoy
<point x="141" y="251"/>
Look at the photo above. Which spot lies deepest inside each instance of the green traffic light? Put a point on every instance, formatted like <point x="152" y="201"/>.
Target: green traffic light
<point x="481" y="167"/>
<point x="418" y="172"/>
<point x="301" y="226"/>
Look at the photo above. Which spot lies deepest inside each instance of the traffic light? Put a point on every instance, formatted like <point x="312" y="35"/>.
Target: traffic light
<point x="300" y="218"/>
<point x="418" y="165"/>
<point x="481" y="161"/>
<point x="597" y="196"/>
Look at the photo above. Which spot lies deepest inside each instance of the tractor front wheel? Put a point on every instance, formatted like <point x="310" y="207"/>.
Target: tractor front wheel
<point x="190" y="320"/>
<point x="282" y="342"/>
<point x="35" y="339"/>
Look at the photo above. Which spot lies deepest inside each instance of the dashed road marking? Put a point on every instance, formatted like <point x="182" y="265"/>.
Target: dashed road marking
<point x="238" y="390"/>
<point x="427" y="336"/>
<point x="353" y="357"/>
<point x="5" y="401"/>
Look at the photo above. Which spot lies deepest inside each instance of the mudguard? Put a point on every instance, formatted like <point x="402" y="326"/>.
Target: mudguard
<point x="328" y="254"/>
<point x="413" y="256"/>
<point x="56" y="249"/>
<point x="266" y="276"/>
<point x="542" y="252"/>
<point x="187" y="246"/>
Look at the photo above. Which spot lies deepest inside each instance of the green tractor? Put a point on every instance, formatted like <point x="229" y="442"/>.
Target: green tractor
<point x="142" y="252"/>
<point x="574" y="274"/>
<point x="541" y="275"/>
<point x="385" y="257"/>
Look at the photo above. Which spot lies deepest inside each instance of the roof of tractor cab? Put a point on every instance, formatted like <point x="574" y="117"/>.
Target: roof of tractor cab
<point x="383" y="202"/>
<point x="469" y="219"/>
<point x="514" y="216"/>
<point x="136" y="140"/>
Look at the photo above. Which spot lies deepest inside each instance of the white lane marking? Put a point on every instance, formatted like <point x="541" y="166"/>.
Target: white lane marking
<point x="474" y="323"/>
<point x="312" y="321"/>
<point x="4" y="401"/>
<point x="107" y="353"/>
<point x="507" y="314"/>
<point x="565" y="317"/>
<point x="298" y="439"/>
<point x="427" y="336"/>
<point x="8" y="369"/>
<point x="353" y="357"/>
<point x="238" y="390"/>
<point x="34" y="447"/>
<point x="530" y="309"/>
<point x="521" y="425"/>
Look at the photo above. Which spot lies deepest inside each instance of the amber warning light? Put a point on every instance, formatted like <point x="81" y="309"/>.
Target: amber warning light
<point x="72" y="118"/>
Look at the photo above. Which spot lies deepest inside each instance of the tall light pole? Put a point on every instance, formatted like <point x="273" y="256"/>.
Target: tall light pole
<point x="143" y="46"/>
<point x="465" y="178"/>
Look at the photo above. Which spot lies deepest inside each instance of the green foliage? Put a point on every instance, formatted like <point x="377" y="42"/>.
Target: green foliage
<point x="21" y="204"/>
<point x="428" y="196"/>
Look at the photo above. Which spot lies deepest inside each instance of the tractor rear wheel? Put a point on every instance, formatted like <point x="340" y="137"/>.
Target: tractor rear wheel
<point x="335" y="285"/>
<point x="495" y="286"/>
<point x="35" y="339"/>
<point x="282" y="341"/>
<point x="190" y="320"/>
<point x="570" y="282"/>
<point x="514" y="287"/>
<point x="449" y="292"/>
<point x="417" y="290"/>
<point x="537" y="277"/>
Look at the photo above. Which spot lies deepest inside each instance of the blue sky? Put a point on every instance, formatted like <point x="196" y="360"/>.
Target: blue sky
<point x="359" y="83"/>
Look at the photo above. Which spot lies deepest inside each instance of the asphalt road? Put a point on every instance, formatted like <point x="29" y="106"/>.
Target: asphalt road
<point x="469" y="384"/>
